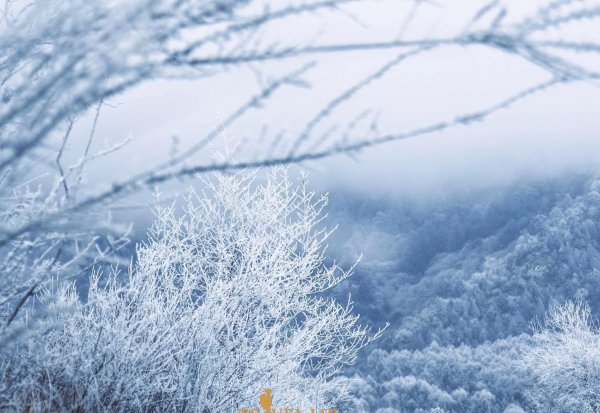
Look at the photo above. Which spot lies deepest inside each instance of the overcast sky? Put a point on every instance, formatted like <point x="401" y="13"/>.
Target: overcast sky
<point x="550" y="133"/>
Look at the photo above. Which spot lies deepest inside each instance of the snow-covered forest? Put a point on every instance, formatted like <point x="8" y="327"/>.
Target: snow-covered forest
<point x="461" y="281"/>
<point x="264" y="206"/>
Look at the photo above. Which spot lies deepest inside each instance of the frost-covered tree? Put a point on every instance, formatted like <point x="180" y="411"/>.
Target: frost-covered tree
<point x="565" y="360"/>
<point x="223" y="301"/>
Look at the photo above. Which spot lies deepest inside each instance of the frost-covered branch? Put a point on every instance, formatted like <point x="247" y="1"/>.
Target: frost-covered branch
<point x="565" y="360"/>
<point x="223" y="301"/>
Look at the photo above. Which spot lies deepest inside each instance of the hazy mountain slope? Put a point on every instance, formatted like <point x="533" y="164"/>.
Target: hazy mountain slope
<point x="466" y="271"/>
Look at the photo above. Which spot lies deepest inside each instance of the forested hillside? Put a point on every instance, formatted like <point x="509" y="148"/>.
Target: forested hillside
<point x="461" y="278"/>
